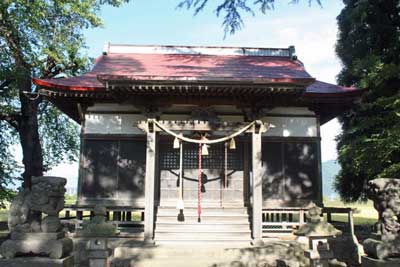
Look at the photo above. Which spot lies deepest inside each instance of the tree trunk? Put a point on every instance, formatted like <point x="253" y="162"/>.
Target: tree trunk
<point x="29" y="134"/>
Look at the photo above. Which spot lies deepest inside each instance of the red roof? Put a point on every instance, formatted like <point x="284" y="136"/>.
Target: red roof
<point x="194" y="68"/>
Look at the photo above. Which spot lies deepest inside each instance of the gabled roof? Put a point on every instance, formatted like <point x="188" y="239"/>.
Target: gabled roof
<point x="186" y="68"/>
<point x="182" y="66"/>
<point x="189" y="65"/>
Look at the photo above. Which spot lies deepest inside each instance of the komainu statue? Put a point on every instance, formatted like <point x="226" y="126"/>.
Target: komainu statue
<point x="46" y="196"/>
<point x="31" y="232"/>
<point x="385" y="242"/>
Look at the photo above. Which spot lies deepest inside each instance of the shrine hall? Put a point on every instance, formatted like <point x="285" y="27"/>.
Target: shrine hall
<point x="207" y="142"/>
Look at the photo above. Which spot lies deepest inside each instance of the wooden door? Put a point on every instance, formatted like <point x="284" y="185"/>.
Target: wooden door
<point x="214" y="192"/>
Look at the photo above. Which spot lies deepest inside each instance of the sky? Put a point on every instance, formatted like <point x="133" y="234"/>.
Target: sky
<point x="311" y="29"/>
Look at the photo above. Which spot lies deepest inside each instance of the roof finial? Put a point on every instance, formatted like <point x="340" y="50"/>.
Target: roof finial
<point x="106" y="48"/>
<point x="292" y="52"/>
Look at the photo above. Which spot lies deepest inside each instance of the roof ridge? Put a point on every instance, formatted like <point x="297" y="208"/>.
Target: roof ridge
<point x="289" y="52"/>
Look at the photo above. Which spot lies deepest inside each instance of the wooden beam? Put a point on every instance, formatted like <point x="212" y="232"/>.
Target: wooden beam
<point x="197" y="125"/>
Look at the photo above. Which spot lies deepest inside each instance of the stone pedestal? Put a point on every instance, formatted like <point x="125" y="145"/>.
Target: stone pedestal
<point x="371" y="262"/>
<point x="319" y="252"/>
<point x="381" y="249"/>
<point x="53" y="245"/>
<point x="98" y="252"/>
<point x="37" y="262"/>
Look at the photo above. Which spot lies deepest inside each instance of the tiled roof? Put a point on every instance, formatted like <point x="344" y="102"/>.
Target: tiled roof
<point x="192" y="67"/>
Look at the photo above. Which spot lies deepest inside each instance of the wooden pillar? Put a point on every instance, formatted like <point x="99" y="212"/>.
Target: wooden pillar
<point x="301" y="217"/>
<point x="149" y="182"/>
<point x="320" y="181"/>
<point x="351" y="222"/>
<point x="329" y="217"/>
<point x="257" y="185"/>
<point x="79" y="214"/>
<point x="246" y="173"/>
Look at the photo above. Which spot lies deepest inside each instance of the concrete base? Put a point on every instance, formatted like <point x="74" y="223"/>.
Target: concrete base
<point x="371" y="262"/>
<point x="37" y="262"/>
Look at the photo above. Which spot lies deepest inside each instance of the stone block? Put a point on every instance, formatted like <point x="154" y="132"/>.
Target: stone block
<point x="98" y="263"/>
<point x="98" y="254"/>
<point x="55" y="249"/>
<point x="39" y="236"/>
<point x="96" y="244"/>
<point x="287" y="263"/>
<point x="371" y="262"/>
<point x="37" y="262"/>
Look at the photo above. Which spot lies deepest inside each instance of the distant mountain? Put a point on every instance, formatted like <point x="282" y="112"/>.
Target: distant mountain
<point x="330" y="169"/>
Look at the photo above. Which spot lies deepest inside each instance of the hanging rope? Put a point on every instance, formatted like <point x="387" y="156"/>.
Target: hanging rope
<point x="226" y="165"/>
<point x="180" y="204"/>
<point x="199" y="187"/>
<point x="204" y="141"/>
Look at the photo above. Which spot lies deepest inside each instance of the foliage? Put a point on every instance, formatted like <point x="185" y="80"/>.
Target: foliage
<point x="232" y="9"/>
<point x="39" y="39"/>
<point x="369" y="47"/>
<point x="8" y="166"/>
<point x="70" y="199"/>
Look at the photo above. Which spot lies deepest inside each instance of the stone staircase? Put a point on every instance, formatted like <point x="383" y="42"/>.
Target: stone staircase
<point x="176" y="256"/>
<point x="217" y="225"/>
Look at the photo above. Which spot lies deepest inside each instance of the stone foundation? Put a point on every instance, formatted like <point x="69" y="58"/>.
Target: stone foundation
<point x="371" y="262"/>
<point x="37" y="243"/>
<point x="37" y="262"/>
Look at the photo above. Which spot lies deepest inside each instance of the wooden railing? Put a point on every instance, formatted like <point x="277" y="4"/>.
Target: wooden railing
<point x="127" y="219"/>
<point x="283" y="221"/>
<point x="344" y="226"/>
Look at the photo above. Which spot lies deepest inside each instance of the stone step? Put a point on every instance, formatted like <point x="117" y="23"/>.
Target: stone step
<point x="239" y="235"/>
<point x="202" y="231"/>
<point x="193" y="211"/>
<point x="209" y="218"/>
<point x="202" y="226"/>
<point x="175" y="262"/>
<point x="212" y="250"/>
<point x="233" y="243"/>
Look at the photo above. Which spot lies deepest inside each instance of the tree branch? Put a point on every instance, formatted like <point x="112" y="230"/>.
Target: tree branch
<point x="11" y="35"/>
<point x="12" y="119"/>
<point x="4" y="84"/>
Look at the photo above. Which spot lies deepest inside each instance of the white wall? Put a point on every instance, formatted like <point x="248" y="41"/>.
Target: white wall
<point x="288" y="121"/>
<point x="292" y="126"/>
<point x="112" y="123"/>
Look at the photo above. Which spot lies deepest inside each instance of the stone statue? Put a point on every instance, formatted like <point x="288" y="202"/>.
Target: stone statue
<point x="29" y="232"/>
<point x="385" y="193"/>
<point x="46" y="196"/>
<point x="385" y="242"/>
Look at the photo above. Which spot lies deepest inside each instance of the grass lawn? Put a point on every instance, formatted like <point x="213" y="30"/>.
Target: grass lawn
<point x="3" y="215"/>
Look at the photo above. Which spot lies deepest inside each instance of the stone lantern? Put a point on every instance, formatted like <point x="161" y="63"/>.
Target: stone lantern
<point x="317" y="233"/>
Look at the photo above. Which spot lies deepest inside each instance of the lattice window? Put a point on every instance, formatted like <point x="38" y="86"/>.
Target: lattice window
<point x="169" y="157"/>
